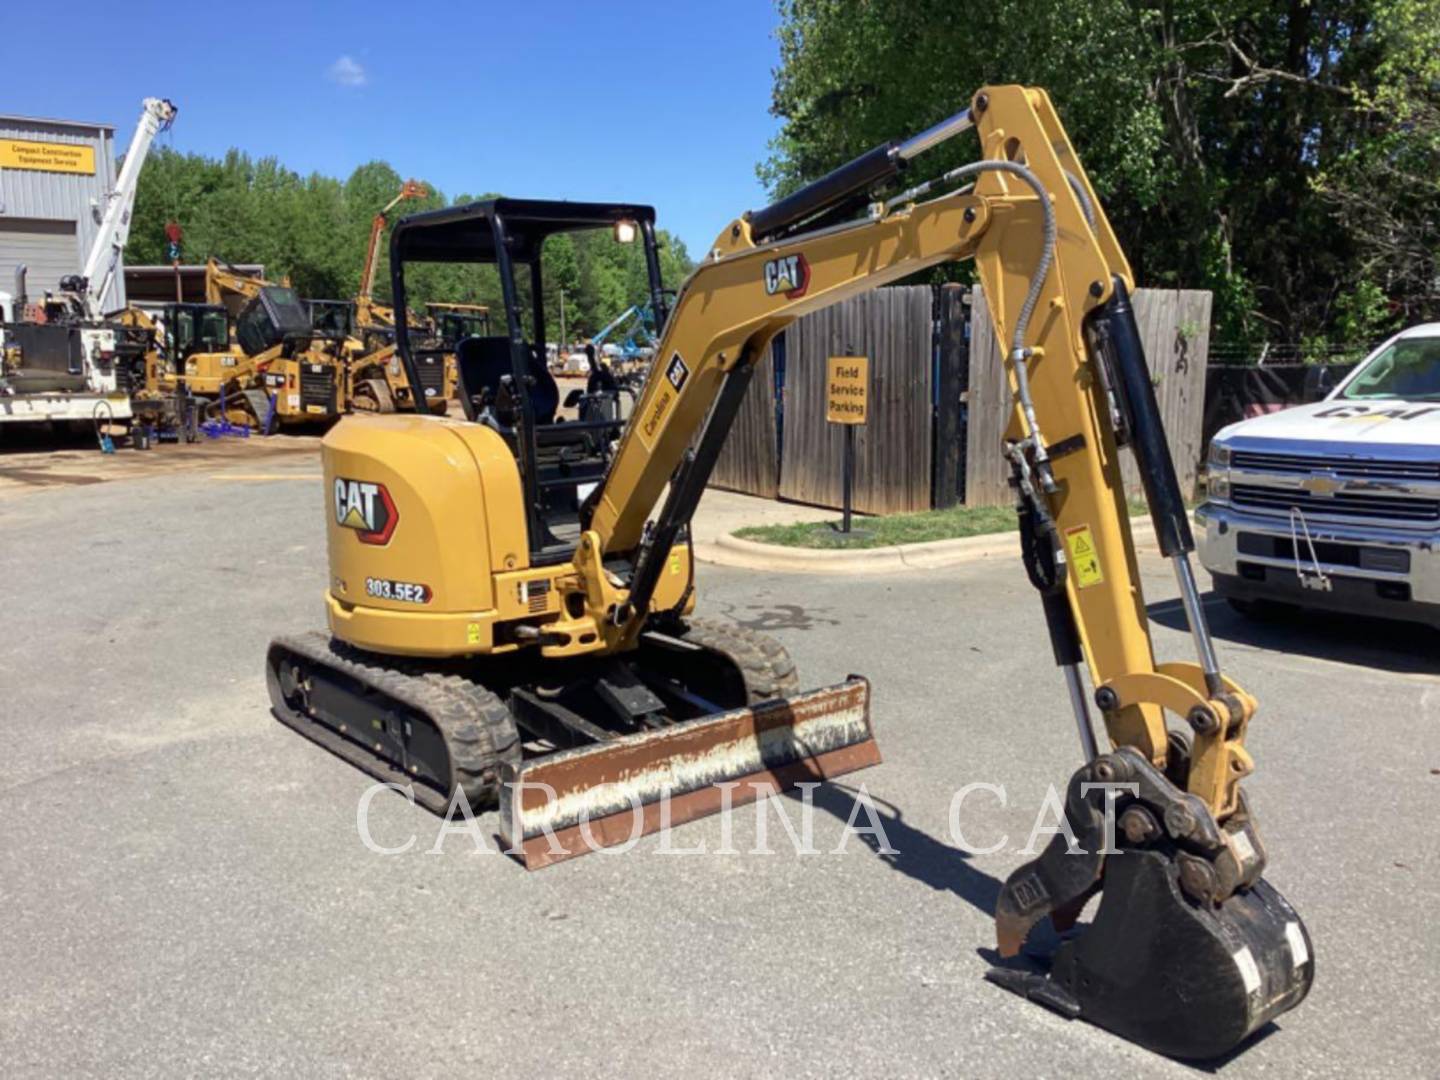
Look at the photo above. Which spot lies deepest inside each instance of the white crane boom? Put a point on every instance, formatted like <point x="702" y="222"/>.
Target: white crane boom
<point x="155" y="116"/>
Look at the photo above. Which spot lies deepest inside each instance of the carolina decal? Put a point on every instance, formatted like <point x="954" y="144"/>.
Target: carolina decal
<point x="789" y="274"/>
<point x="676" y="374"/>
<point x="367" y="508"/>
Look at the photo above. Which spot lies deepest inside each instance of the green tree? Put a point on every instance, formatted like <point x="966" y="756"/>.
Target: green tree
<point x="1280" y="154"/>
<point x="316" y="229"/>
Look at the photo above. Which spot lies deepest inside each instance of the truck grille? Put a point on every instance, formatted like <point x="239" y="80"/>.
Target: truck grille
<point x="1343" y="504"/>
<point x="1358" y="468"/>
<point x="317" y="386"/>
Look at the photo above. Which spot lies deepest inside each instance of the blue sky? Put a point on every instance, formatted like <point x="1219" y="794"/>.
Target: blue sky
<point x="664" y="103"/>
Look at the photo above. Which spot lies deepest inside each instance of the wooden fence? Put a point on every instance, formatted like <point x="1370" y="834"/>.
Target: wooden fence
<point x="750" y="459"/>
<point x="939" y="402"/>
<point x="893" y="327"/>
<point x="1175" y="330"/>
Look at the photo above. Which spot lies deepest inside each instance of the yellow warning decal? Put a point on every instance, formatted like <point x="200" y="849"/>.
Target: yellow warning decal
<point x="1084" y="559"/>
<point x="674" y="562"/>
<point x="472" y="633"/>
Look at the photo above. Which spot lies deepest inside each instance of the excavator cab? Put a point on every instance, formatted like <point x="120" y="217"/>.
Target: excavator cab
<point x="504" y="380"/>
<point x="275" y="316"/>
<point x="195" y="328"/>
<point x="455" y="321"/>
<point x="332" y="320"/>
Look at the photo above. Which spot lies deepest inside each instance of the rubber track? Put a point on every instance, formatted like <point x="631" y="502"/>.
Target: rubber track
<point x="765" y="664"/>
<point x="478" y="730"/>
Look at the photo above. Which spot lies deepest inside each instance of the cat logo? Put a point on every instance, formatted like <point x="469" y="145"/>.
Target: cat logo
<point x="367" y="508"/>
<point x="677" y="372"/>
<point x="789" y="274"/>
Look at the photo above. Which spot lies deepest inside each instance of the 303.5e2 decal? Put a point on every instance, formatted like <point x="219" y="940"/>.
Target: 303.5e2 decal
<point x="367" y="508"/>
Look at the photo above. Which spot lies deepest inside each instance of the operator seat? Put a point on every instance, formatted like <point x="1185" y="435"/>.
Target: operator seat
<point x="484" y="364"/>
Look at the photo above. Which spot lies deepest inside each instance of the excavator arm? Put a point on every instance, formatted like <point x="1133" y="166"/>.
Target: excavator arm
<point x="1057" y="285"/>
<point x="1062" y="434"/>
<point x="222" y="283"/>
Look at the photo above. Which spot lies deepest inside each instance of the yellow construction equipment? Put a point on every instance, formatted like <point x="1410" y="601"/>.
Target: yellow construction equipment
<point x="372" y="378"/>
<point x="189" y="364"/>
<point x="363" y="331"/>
<point x="452" y="322"/>
<point x="511" y="618"/>
<point x="286" y="380"/>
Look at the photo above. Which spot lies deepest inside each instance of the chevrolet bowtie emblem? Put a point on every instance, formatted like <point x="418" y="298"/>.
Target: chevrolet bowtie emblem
<point x="1322" y="484"/>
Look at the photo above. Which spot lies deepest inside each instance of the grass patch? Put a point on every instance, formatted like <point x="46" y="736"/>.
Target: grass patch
<point x="891" y="529"/>
<point x="917" y="528"/>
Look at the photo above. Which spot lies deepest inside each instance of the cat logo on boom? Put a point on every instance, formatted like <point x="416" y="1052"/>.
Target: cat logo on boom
<point x="789" y="274"/>
<point x="367" y="508"/>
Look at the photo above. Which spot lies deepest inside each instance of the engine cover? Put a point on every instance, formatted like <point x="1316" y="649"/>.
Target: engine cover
<point x="422" y="512"/>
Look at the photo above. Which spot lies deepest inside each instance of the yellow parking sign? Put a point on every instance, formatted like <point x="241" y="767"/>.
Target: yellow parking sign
<point x="847" y="389"/>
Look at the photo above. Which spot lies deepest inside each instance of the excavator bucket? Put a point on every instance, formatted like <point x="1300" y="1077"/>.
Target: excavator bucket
<point x="574" y="801"/>
<point x="1190" y="951"/>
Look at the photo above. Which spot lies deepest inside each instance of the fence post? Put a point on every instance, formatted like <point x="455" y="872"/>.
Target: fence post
<point x="952" y="369"/>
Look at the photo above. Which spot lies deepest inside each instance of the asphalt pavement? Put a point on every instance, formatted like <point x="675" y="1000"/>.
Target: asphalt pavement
<point x="185" y="892"/>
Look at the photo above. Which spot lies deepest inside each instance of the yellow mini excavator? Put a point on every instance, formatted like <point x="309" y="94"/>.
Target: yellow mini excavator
<point x="510" y="616"/>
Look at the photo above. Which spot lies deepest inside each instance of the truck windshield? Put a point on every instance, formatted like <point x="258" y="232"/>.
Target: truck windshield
<point x="1406" y="369"/>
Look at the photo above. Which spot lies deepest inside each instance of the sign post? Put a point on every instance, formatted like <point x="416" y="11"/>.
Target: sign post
<point x="847" y="402"/>
<point x="173" y="235"/>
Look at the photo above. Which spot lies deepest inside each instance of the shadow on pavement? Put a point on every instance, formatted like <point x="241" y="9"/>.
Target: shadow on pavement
<point x="916" y="854"/>
<point x="946" y="868"/>
<point x="1408" y="648"/>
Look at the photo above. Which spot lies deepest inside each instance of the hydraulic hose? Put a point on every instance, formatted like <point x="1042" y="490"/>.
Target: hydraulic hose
<point x="1018" y="351"/>
<point x="1047" y="253"/>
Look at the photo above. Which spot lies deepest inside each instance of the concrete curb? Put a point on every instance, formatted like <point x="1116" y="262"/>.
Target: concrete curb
<point x="898" y="558"/>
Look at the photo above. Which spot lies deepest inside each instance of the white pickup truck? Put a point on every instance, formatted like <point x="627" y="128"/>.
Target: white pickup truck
<point x="1335" y="505"/>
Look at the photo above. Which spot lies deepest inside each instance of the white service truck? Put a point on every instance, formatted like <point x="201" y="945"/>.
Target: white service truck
<point x="65" y="366"/>
<point x="1335" y="505"/>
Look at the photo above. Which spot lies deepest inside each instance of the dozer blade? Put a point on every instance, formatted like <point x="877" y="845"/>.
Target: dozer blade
<point x="1190" y="951"/>
<point x="575" y="801"/>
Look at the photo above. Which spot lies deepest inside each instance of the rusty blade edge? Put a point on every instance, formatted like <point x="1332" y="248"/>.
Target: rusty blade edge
<point x="590" y="783"/>
<point x="621" y="827"/>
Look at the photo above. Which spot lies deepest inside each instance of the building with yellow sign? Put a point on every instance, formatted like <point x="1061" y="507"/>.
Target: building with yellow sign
<point x="54" y="179"/>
